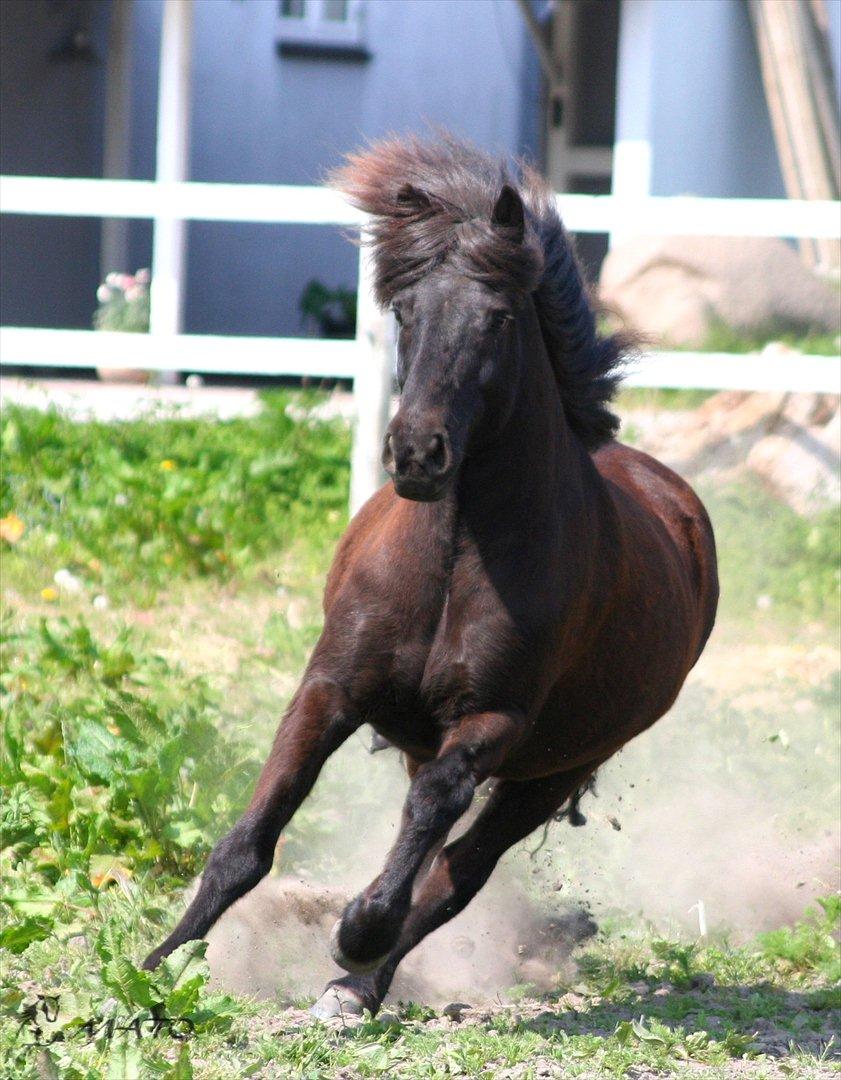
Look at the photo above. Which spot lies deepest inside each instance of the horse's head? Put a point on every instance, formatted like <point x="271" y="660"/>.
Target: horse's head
<point x="458" y="353"/>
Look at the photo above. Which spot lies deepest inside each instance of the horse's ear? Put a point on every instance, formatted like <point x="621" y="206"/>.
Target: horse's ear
<point x="508" y="212"/>
<point x="411" y="198"/>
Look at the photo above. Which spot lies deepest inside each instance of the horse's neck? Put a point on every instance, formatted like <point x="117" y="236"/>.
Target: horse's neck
<point x="517" y="475"/>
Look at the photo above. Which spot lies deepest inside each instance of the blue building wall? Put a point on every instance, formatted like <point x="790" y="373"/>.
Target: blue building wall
<point x="691" y="106"/>
<point x="712" y="131"/>
<point x="257" y="117"/>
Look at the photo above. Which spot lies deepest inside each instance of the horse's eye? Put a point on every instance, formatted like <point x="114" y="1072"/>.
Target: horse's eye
<point x="398" y="318"/>
<point x="498" y="319"/>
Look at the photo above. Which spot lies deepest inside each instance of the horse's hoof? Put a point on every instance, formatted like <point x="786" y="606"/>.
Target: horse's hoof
<point x="337" y="1001"/>
<point x="355" y="967"/>
<point x="153" y="959"/>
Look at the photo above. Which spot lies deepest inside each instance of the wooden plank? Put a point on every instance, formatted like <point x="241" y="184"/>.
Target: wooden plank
<point x="281" y="204"/>
<point x="371" y="389"/>
<point x="285" y="204"/>
<point x="806" y="135"/>
<point x="35" y="347"/>
<point x="792" y="372"/>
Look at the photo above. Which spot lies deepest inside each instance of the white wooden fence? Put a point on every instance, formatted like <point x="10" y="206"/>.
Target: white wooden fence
<point x="367" y="360"/>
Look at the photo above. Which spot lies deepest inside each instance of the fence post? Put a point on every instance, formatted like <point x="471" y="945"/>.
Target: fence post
<point x="173" y="164"/>
<point x="371" y="389"/>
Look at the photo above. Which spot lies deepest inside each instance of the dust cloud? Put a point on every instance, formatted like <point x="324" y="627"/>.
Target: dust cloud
<point x="714" y="804"/>
<point x="274" y="943"/>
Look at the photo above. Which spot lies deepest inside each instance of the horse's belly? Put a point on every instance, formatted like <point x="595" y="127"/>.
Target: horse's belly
<point x="611" y="696"/>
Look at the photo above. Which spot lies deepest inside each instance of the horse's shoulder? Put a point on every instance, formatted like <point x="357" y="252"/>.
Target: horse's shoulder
<point x="647" y="480"/>
<point x="369" y="523"/>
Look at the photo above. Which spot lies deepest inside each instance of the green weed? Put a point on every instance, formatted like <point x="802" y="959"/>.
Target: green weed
<point x="812" y="946"/>
<point x="128" y="507"/>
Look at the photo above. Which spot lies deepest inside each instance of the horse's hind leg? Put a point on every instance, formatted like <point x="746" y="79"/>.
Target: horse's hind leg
<point x="440" y="792"/>
<point x="318" y="721"/>
<point x="513" y="810"/>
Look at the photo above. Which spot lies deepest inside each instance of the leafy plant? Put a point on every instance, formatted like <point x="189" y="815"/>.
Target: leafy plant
<point x="113" y="767"/>
<point x="812" y="945"/>
<point x="151" y="499"/>
<point x="123" y="303"/>
<point x="332" y="310"/>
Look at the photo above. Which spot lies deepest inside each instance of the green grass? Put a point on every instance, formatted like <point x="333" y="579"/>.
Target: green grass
<point x="129" y="507"/>
<point x="724" y="339"/>
<point x="645" y="397"/>
<point x="771" y="558"/>
<point x="132" y="735"/>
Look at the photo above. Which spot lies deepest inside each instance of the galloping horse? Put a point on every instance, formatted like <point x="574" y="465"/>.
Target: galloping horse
<point x="523" y="598"/>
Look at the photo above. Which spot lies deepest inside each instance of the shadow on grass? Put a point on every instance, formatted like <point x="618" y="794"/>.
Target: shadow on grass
<point x="769" y="1020"/>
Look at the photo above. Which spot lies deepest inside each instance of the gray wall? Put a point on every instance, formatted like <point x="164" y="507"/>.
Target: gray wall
<point x="51" y="126"/>
<point x="259" y="117"/>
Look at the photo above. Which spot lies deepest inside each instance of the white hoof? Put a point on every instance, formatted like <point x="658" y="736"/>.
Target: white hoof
<point x="337" y="1001"/>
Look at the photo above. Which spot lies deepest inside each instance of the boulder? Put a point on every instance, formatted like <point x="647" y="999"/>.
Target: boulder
<point x="801" y="464"/>
<point x="677" y="289"/>
<point x="792" y="442"/>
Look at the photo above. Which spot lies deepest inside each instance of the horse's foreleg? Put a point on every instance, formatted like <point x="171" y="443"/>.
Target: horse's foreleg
<point x="440" y="792"/>
<point x="513" y="810"/>
<point x="317" y="722"/>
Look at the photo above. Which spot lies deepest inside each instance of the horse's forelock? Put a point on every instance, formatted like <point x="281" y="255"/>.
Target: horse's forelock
<point x="431" y="201"/>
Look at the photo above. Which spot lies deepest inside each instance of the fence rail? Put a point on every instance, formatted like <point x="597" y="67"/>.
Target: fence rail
<point x="316" y="358"/>
<point x="286" y="204"/>
<point x="367" y="360"/>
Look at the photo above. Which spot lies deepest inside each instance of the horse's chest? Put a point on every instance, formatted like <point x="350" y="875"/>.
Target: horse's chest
<point x="424" y="631"/>
<point x="448" y="640"/>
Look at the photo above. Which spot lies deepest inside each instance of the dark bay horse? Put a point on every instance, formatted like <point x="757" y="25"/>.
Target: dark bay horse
<point x="522" y="599"/>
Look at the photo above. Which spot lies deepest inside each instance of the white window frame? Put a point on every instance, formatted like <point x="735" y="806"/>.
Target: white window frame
<point x="313" y="28"/>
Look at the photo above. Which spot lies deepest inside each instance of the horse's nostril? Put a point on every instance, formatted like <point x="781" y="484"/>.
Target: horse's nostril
<point x="437" y="453"/>
<point x="388" y="452"/>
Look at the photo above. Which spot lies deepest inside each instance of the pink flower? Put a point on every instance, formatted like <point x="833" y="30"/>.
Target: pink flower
<point x="134" y="292"/>
<point x="103" y="294"/>
<point x="143" y="277"/>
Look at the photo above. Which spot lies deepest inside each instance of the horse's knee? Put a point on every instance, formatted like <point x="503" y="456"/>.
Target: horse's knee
<point x="440" y="793"/>
<point x="367" y="931"/>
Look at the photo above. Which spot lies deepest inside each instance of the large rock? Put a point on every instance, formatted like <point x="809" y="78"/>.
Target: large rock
<point x="677" y="289"/>
<point x="792" y="442"/>
<point x="801" y="464"/>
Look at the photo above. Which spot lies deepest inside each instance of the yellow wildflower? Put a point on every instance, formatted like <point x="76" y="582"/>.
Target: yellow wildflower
<point x="104" y="869"/>
<point x="49" y="594"/>
<point x="11" y="528"/>
<point x="168" y="465"/>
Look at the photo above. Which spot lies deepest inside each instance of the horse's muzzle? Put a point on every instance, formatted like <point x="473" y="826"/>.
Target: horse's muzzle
<point x="420" y="463"/>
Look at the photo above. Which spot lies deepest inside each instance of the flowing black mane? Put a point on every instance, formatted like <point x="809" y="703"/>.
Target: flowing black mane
<point x="433" y="200"/>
